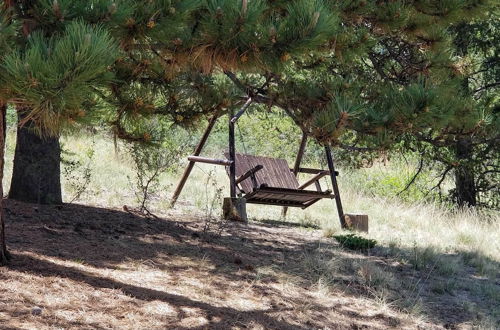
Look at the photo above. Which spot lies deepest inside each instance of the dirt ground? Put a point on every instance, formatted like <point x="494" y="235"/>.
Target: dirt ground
<point x="77" y="266"/>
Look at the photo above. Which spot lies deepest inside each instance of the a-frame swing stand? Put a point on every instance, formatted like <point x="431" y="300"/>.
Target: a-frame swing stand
<point x="263" y="180"/>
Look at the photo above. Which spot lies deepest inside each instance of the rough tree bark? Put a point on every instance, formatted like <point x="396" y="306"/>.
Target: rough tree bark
<point x="36" y="176"/>
<point x="464" y="175"/>
<point x="465" y="185"/>
<point x="4" y="254"/>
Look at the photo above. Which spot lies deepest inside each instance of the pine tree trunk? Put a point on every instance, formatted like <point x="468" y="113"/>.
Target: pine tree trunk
<point x="36" y="176"/>
<point x="4" y="254"/>
<point x="464" y="174"/>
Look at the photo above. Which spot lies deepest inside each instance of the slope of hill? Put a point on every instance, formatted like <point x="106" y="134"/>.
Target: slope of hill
<point x="82" y="266"/>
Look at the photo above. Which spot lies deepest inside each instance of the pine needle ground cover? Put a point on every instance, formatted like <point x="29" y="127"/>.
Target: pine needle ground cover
<point x="95" y="266"/>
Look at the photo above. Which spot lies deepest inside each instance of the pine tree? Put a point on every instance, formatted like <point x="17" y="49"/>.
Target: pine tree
<point x="473" y="156"/>
<point x="49" y="73"/>
<point x="49" y="76"/>
<point x="58" y="71"/>
<point x="357" y="74"/>
<point x="378" y="70"/>
<point x="390" y="77"/>
<point x="159" y="40"/>
<point x="6" y="42"/>
<point x="4" y="254"/>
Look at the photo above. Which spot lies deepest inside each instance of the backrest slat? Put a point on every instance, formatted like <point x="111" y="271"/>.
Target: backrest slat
<point x="275" y="173"/>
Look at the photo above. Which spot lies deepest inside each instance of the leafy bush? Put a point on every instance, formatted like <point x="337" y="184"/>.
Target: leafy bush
<point x="355" y="242"/>
<point x="151" y="160"/>
<point x="77" y="170"/>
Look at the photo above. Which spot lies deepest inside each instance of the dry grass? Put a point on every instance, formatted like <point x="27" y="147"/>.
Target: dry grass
<point x="92" y="267"/>
<point x="111" y="269"/>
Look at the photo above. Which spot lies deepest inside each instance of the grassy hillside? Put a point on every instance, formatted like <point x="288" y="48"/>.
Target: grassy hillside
<point x="432" y="266"/>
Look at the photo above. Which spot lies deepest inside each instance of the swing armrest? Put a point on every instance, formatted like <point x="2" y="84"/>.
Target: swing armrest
<point x="213" y="161"/>
<point x="311" y="171"/>
<point x="314" y="179"/>
<point x="249" y="173"/>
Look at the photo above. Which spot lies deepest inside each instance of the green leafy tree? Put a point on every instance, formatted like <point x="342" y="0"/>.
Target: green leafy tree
<point x="472" y="154"/>
<point x="159" y="41"/>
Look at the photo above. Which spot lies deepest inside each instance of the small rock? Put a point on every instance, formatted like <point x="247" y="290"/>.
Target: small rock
<point x="36" y="311"/>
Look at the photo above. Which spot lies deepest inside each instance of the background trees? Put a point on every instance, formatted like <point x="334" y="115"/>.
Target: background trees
<point x="401" y="82"/>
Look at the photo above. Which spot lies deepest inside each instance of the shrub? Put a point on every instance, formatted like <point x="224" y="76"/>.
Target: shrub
<point x="354" y="242"/>
<point x="77" y="170"/>
<point x="150" y="161"/>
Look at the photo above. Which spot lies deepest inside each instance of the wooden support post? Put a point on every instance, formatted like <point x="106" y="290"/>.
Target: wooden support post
<point x="190" y="166"/>
<point x="335" y="186"/>
<point x="357" y="222"/>
<point x="234" y="209"/>
<point x="298" y="160"/>
<point x="232" y="145"/>
<point x="232" y="156"/>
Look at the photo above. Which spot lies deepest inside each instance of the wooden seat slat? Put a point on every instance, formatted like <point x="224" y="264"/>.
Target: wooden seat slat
<point x="288" y="194"/>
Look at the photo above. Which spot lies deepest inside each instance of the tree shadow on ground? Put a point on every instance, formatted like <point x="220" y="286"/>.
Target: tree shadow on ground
<point x="43" y="268"/>
<point x="105" y="238"/>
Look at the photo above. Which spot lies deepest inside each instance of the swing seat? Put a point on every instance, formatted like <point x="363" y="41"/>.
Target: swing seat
<point x="270" y="181"/>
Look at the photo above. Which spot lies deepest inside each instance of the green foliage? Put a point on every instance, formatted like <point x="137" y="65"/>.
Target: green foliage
<point x="152" y="160"/>
<point x="54" y="76"/>
<point x="355" y="242"/>
<point x="363" y="75"/>
<point x="393" y="178"/>
<point x="259" y="132"/>
<point x="8" y="30"/>
<point x="330" y="123"/>
<point x="77" y="170"/>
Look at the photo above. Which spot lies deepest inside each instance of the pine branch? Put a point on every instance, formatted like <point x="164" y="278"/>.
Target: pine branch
<point x="412" y="181"/>
<point x="488" y="86"/>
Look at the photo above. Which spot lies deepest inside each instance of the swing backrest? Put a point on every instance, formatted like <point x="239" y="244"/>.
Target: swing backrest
<point x="275" y="172"/>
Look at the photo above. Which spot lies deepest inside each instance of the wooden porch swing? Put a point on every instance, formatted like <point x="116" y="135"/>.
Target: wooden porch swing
<point x="264" y="180"/>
